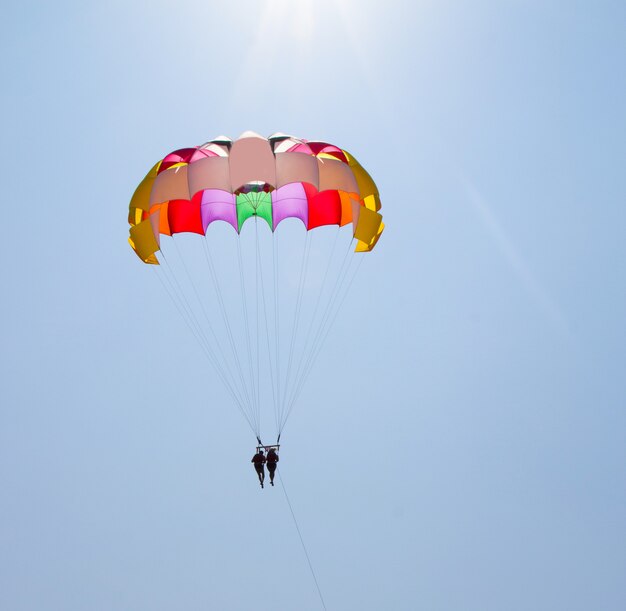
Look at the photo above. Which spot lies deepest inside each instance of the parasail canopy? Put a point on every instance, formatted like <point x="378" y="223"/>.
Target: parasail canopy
<point x="272" y="178"/>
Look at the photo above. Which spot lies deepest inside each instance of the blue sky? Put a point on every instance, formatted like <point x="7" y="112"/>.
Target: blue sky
<point x="460" y="444"/>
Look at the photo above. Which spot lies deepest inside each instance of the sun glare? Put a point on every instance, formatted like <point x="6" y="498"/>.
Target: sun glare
<point x="300" y="28"/>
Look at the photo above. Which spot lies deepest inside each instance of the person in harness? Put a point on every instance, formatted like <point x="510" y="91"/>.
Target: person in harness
<point x="272" y="459"/>
<point x="259" y="461"/>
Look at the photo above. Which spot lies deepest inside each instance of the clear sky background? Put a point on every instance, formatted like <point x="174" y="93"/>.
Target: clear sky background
<point x="461" y="444"/>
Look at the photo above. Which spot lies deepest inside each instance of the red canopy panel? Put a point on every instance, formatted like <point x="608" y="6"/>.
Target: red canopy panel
<point x="324" y="207"/>
<point x="184" y="215"/>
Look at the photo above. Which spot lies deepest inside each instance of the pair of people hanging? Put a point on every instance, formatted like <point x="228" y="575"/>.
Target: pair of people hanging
<point x="259" y="460"/>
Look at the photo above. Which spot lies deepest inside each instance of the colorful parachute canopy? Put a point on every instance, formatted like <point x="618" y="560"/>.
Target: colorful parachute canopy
<point x="272" y="178"/>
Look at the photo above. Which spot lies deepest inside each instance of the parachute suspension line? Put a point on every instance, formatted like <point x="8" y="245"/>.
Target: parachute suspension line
<point x="180" y="306"/>
<point x="312" y="355"/>
<point x="201" y="335"/>
<point x="306" y="349"/>
<point x="327" y="332"/>
<point x="182" y="299"/>
<point x="341" y="302"/>
<point x="323" y="330"/>
<point x="296" y="318"/>
<point x="306" y="553"/>
<point x="201" y="304"/>
<point x="244" y="305"/>
<point x="276" y="327"/>
<point x="193" y="319"/>
<point x="177" y="300"/>
<point x="256" y="280"/>
<point x="221" y="351"/>
<point x="267" y="334"/>
<point x="309" y="354"/>
<point x="339" y="280"/>
<point x="202" y="342"/>
<point x="229" y="331"/>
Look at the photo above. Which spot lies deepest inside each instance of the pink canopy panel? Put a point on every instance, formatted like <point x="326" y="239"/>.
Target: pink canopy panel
<point x="274" y="178"/>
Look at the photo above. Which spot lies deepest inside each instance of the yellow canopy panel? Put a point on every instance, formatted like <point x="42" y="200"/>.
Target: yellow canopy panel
<point x="143" y="241"/>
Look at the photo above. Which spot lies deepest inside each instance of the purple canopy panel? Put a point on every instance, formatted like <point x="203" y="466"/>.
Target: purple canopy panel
<point x="290" y="201"/>
<point x="218" y="205"/>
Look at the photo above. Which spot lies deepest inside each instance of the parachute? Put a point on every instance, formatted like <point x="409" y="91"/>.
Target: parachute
<point x="245" y="326"/>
